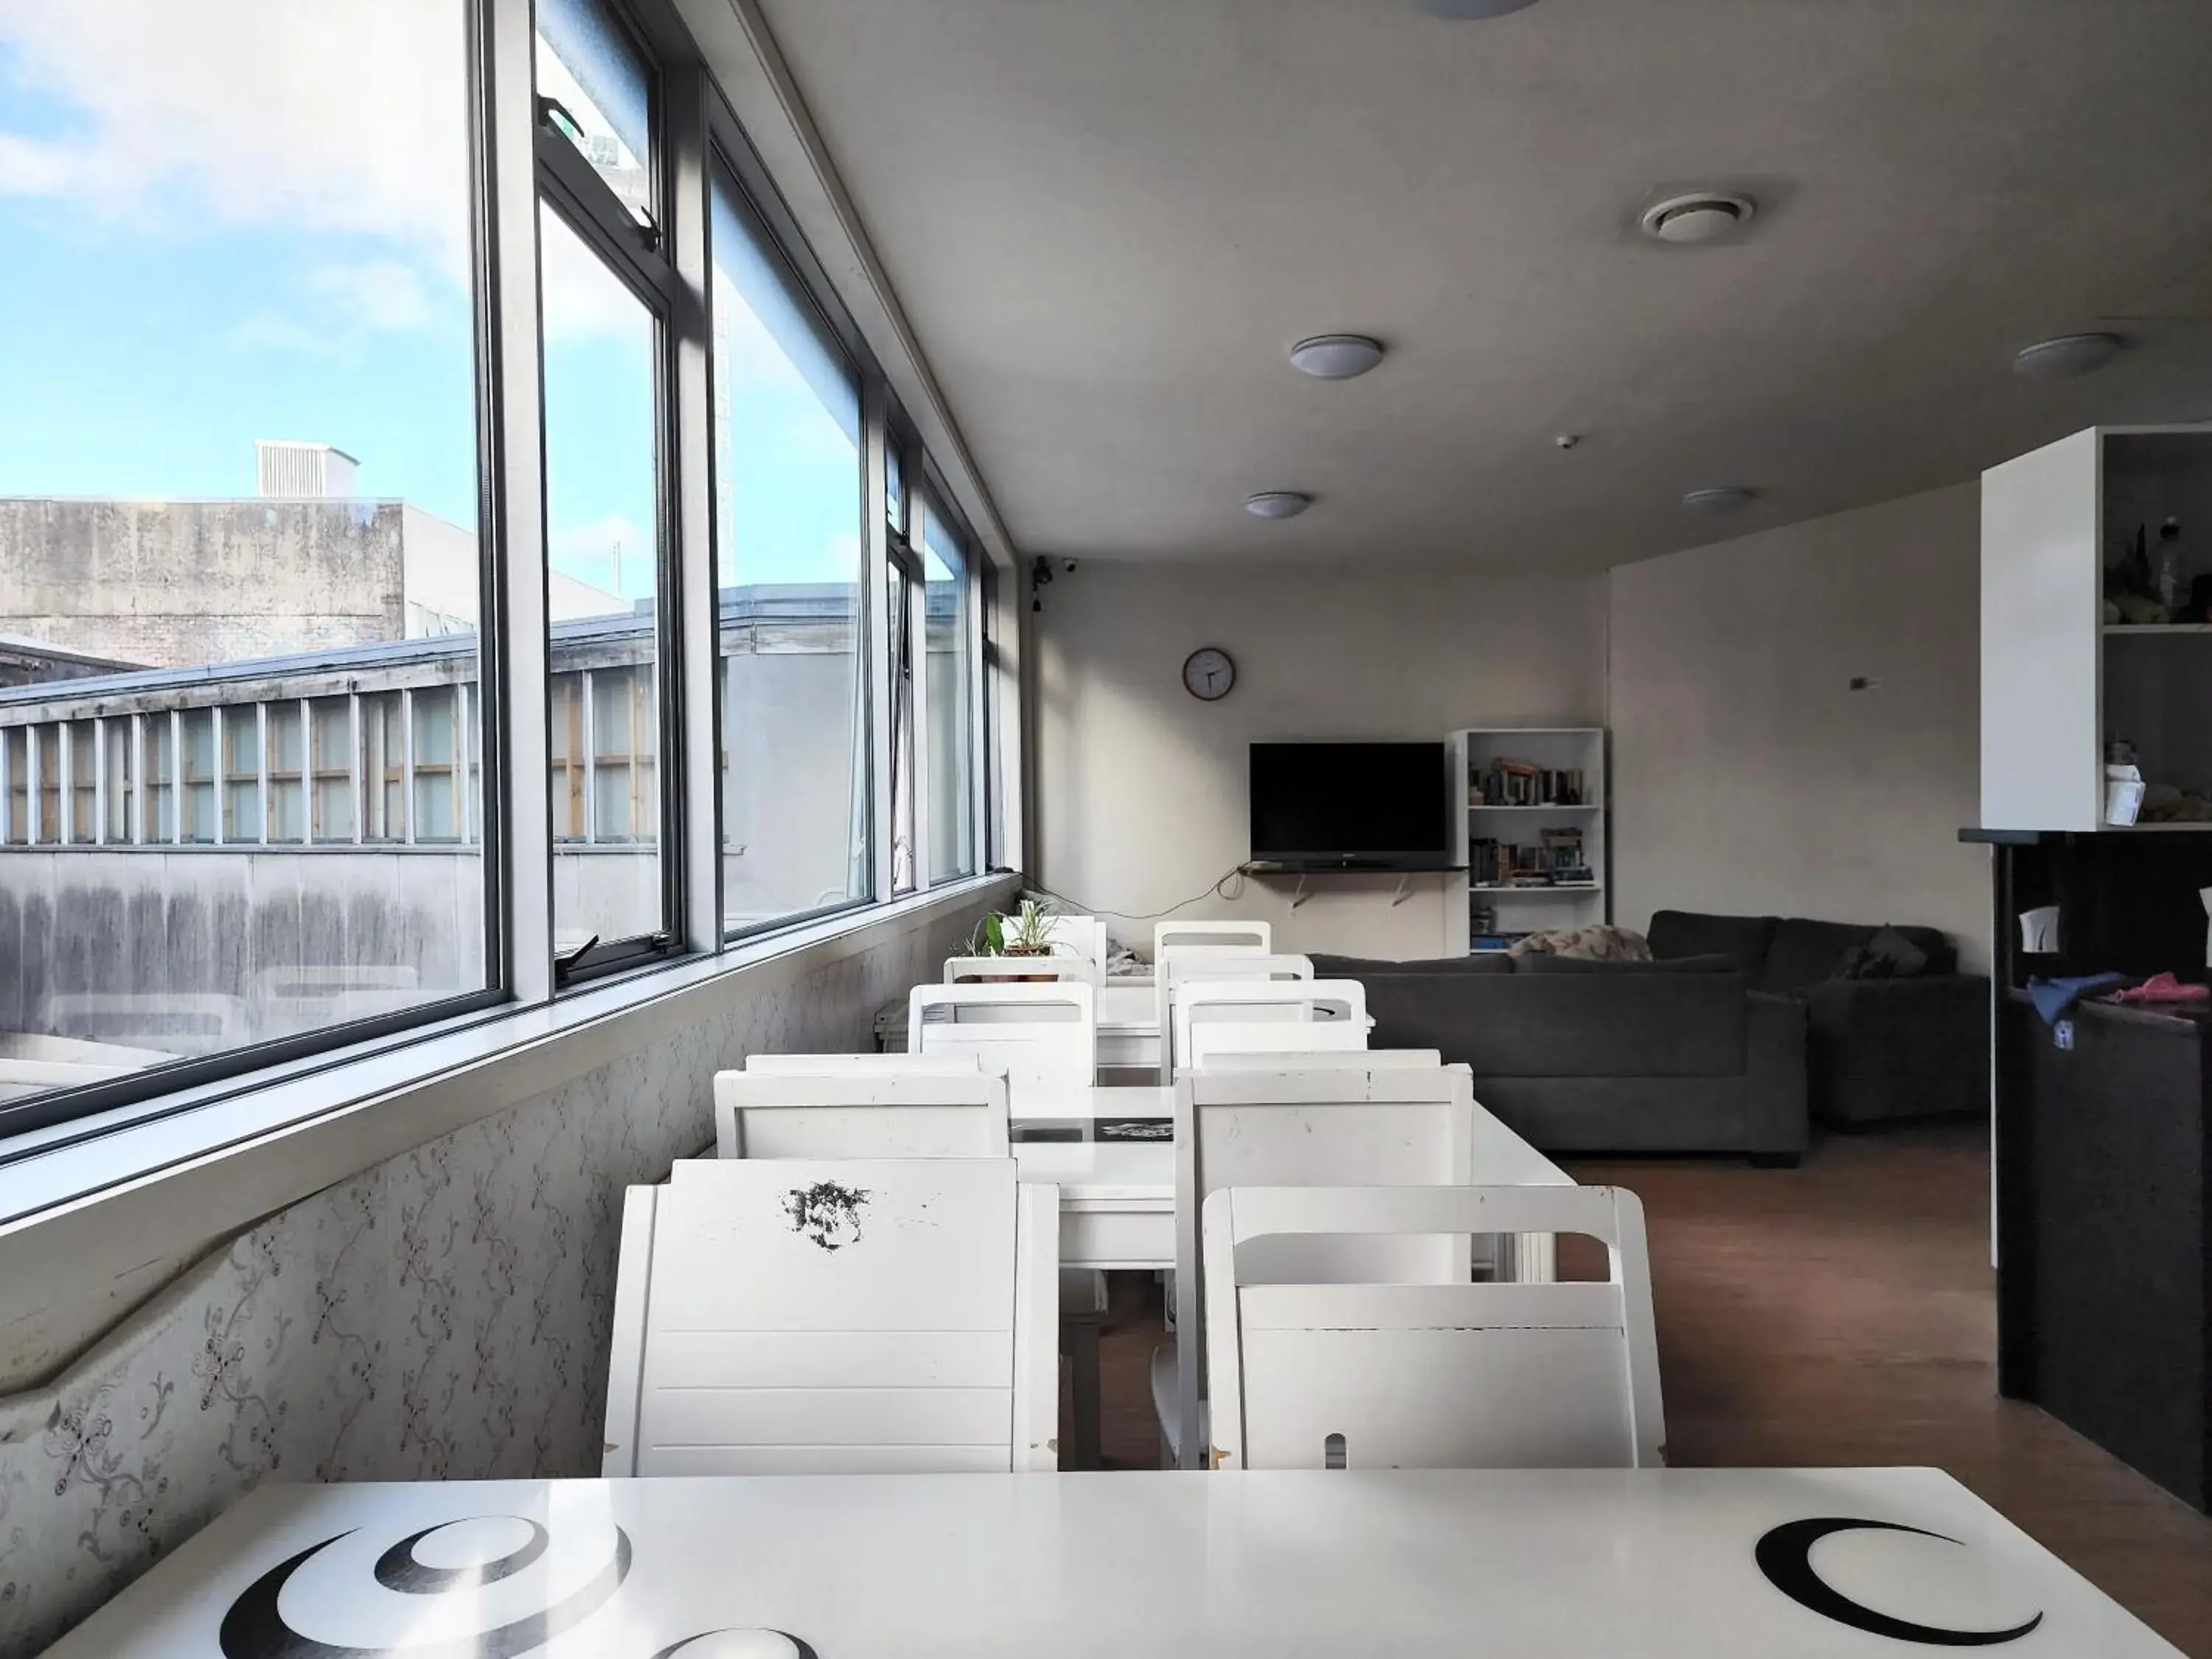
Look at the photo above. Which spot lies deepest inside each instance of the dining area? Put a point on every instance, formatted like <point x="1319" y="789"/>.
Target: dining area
<point x="852" y="1391"/>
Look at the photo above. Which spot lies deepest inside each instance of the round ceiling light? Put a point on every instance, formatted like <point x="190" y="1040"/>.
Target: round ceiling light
<point x="1277" y="504"/>
<point x="1464" y="10"/>
<point x="2069" y="354"/>
<point x="1704" y="215"/>
<point x="1336" y="356"/>
<point x="1721" y="498"/>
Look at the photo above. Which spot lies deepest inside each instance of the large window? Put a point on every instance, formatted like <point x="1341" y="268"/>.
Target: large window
<point x="605" y="290"/>
<point x="789" y="562"/>
<point x="240" y="407"/>
<point x="270" y="452"/>
<point x="949" y="639"/>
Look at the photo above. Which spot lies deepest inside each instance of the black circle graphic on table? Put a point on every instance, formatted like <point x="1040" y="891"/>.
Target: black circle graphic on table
<point x="1785" y="1557"/>
<point x="799" y="1647"/>
<point x="254" y="1628"/>
<point x="396" y="1569"/>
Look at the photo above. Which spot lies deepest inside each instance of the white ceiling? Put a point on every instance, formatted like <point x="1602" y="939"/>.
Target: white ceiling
<point x="1107" y="220"/>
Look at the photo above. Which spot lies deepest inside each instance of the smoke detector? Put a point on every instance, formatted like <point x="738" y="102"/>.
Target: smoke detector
<point x="1278" y="503"/>
<point x="1461" y="11"/>
<point x="1702" y="216"/>
<point x="1336" y="356"/>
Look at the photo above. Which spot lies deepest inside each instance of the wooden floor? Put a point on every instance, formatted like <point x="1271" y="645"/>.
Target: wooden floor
<point x="1840" y="1313"/>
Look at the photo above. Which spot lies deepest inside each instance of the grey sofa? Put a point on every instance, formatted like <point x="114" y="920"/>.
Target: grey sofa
<point x="1679" y="1056"/>
<point x="1876" y="1049"/>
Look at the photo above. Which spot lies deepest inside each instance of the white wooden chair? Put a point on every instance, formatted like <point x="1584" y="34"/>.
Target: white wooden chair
<point x="1383" y="1127"/>
<point x="1285" y="1006"/>
<point x="1042" y="1036"/>
<point x="860" y="1315"/>
<point x="1192" y="964"/>
<point x="1017" y="970"/>
<point x="1422" y="1374"/>
<point x="891" y="1065"/>
<point x="1252" y="938"/>
<point x="1232" y="1057"/>
<point x="859" y="1114"/>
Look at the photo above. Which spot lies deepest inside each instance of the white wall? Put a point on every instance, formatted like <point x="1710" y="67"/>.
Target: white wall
<point x="1749" y="778"/>
<point x="1141" y="789"/>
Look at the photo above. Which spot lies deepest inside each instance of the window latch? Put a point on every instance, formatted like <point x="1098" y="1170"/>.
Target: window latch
<point x="550" y="107"/>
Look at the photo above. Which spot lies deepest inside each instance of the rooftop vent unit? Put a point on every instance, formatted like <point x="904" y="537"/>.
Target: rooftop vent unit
<point x="291" y="472"/>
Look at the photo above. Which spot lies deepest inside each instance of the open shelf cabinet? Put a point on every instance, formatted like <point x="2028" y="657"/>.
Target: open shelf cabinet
<point x="1542" y="790"/>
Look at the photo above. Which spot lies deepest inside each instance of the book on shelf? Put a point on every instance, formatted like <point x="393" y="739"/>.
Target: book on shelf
<point x="1523" y="783"/>
<point x="1556" y="858"/>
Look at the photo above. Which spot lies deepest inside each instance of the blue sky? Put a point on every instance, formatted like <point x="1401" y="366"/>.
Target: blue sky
<point x="187" y="265"/>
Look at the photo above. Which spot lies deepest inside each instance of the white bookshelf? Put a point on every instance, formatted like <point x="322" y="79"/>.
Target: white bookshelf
<point x="1517" y="908"/>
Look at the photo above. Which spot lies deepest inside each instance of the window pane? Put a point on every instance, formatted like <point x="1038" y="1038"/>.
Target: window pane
<point x="894" y="486"/>
<point x="287" y="762"/>
<point x="122" y="778"/>
<point x="196" y="795"/>
<point x="603" y="543"/>
<point x="15" y="755"/>
<point x="383" y="768"/>
<point x="435" y="818"/>
<point x="898" y="611"/>
<point x="240" y="364"/>
<point x="788" y="564"/>
<point x="589" y="65"/>
<point x="330" y="767"/>
<point x="951" y="751"/>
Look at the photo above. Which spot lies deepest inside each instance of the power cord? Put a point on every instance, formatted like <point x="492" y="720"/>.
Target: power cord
<point x="1219" y="888"/>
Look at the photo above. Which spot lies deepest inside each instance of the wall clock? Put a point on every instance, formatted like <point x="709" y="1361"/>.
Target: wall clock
<point x="1207" y="674"/>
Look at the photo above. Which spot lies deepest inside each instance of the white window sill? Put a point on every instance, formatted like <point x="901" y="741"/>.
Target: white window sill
<point x="110" y="1210"/>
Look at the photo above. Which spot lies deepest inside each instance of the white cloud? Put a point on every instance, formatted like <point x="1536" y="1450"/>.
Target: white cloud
<point x="340" y="115"/>
<point x="599" y="539"/>
<point x="583" y="299"/>
<point x="376" y="293"/>
<point x="276" y="330"/>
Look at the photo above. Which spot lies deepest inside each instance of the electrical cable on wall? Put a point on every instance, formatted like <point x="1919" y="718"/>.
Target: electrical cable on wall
<point x="1219" y="889"/>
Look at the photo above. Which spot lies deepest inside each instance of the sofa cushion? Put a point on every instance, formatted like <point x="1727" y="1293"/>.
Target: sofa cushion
<point x="1544" y="964"/>
<point x="1807" y="952"/>
<point x="1743" y="939"/>
<point x="1481" y="962"/>
<point x="1887" y="955"/>
<point x="1569" y="1024"/>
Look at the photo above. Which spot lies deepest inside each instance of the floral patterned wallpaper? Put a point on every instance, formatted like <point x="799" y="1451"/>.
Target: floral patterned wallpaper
<point x="444" y="1314"/>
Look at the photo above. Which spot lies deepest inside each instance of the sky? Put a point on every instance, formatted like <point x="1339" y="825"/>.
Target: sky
<point x="226" y="220"/>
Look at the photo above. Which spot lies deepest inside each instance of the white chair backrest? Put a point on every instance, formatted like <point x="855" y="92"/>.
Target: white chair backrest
<point x="1037" y="1034"/>
<point x="883" y="1114"/>
<point x="1427" y="1375"/>
<point x="804" y="1315"/>
<point x="1213" y="1040"/>
<point x="1232" y="1057"/>
<point x="1083" y="937"/>
<point x="1189" y="964"/>
<point x="891" y="1065"/>
<point x="176" y="1022"/>
<point x="1394" y="1127"/>
<point x="1253" y="937"/>
<point x="1290" y="1003"/>
<point x="1017" y="970"/>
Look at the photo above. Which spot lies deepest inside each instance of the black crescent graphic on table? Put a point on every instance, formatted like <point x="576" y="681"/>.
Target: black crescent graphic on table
<point x="1785" y="1557"/>
<point x="254" y="1628"/>
<point x="804" y="1649"/>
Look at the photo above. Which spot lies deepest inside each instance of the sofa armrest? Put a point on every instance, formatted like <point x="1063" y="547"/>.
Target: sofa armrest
<point x="1775" y="1074"/>
<point x="1899" y="1047"/>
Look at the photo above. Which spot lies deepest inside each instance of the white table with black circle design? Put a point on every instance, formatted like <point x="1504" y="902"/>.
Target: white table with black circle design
<point x="1699" y="1563"/>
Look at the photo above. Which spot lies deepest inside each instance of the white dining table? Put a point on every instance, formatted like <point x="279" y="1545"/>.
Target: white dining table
<point x="1117" y="1198"/>
<point x="1657" y="1564"/>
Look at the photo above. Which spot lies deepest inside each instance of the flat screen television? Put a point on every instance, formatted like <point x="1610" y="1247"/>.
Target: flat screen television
<point x="1383" y="805"/>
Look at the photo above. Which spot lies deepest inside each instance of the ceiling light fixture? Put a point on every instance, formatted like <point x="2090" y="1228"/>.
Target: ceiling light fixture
<point x="1277" y="504"/>
<point x="1720" y="498"/>
<point x="1460" y="11"/>
<point x="2067" y="355"/>
<point x="1336" y="356"/>
<point x="1702" y="216"/>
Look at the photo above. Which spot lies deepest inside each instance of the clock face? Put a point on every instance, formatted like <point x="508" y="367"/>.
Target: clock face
<point x="1207" y="674"/>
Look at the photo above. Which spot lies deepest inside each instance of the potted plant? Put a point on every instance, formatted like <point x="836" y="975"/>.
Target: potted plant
<point x="1026" y="932"/>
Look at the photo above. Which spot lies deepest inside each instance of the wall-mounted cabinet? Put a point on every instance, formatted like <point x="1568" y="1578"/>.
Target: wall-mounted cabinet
<point x="1528" y="818"/>
<point x="2088" y="644"/>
